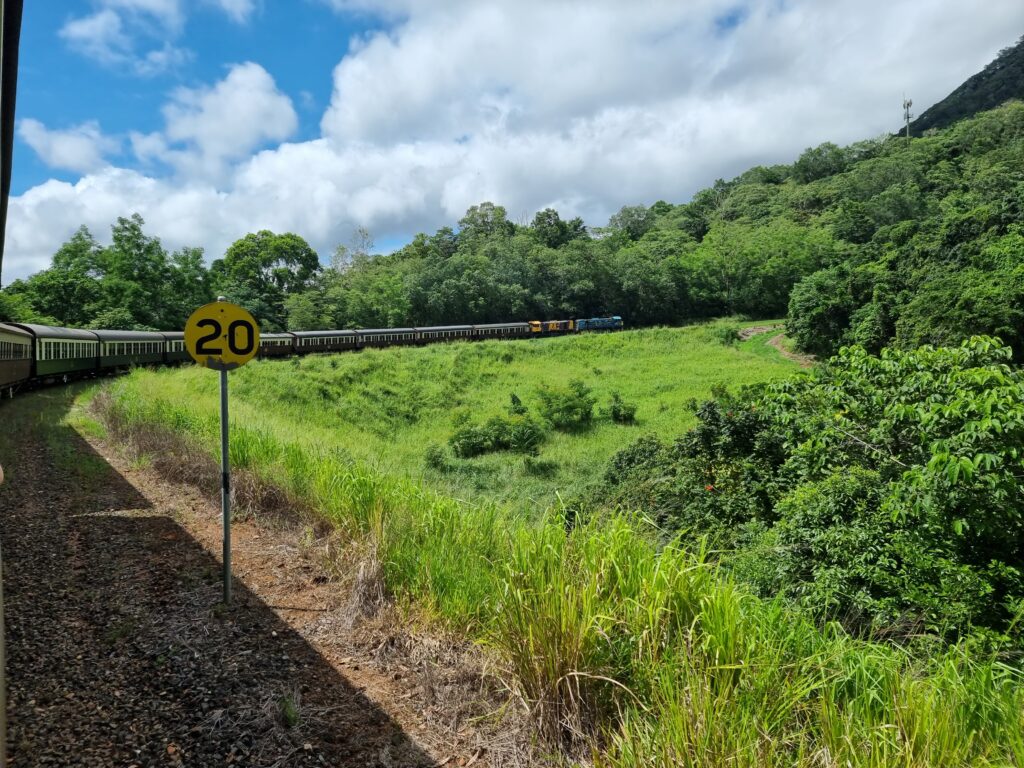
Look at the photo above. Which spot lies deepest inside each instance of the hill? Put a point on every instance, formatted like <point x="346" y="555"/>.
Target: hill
<point x="997" y="83"/>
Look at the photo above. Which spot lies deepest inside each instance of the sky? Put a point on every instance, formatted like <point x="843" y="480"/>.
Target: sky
<point x="215" y="118"/>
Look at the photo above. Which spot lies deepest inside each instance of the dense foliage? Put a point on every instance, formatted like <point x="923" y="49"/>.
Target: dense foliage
<point x="880" y="490"/>
<point x="135" y="284"/>
<point x="885" y="241"/>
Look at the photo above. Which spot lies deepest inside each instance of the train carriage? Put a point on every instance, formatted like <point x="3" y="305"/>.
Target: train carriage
<point x="387" y="337"/>
<point x="276" y="344"/>
<point x="174" y="347"/>
<point x="15" y="358"/>
<point x="443" y="333"/>
<point x="501" y="331"/>
<point x="123" y="349"/>
<point x="63" y="352"/>
<point x="325" y="341"/>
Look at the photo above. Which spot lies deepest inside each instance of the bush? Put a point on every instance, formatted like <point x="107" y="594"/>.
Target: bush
<point x="620" y="411"/>
<point x="516" y="407"/>
<point x="435" y="457"/>
<point x="890" y="485"/>
<point x="725" y="334"/>
<point x="499" y="433"/>
<point x="569" y="407"/>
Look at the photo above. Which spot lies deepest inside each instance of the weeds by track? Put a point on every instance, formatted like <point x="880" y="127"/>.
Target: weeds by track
<point x="119" y="652"/>
<point x="630" y="652"/>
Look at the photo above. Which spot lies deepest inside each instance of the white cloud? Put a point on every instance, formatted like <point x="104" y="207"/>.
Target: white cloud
<point x="160" y="60"/>
<point x="584" y="106"/>
<point x="139" y="34"/>
<point x="166" y="12"/>
<point x="238" y="10"/>
<point x="80" y="148"/>
<point x="100" y="36"/>
<point x="208" y="128"/>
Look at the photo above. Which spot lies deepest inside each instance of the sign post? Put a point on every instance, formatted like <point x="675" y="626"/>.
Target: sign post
<point x="223" y="336"/>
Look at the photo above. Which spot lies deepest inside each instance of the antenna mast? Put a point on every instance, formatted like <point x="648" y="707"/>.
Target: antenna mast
<point x="907" y="104"/>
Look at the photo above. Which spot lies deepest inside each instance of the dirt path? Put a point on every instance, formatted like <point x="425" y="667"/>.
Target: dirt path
<point x="119" y="653"/>
<point x="775" y="341"/>
<point x="804" y="360"/>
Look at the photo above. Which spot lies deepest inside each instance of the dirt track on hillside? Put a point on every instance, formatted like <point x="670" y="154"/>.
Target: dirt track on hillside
<point x="120" y="654"/>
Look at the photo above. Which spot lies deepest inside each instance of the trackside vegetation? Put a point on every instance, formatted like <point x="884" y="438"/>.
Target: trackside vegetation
<point x="444" y="415"/>
<point x="632" y="645"/>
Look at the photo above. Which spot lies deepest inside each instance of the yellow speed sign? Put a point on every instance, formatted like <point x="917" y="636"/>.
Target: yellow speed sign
<point x="222" y="336"/>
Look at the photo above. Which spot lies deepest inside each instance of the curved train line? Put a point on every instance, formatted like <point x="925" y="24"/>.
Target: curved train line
<point x="33" y="354"/>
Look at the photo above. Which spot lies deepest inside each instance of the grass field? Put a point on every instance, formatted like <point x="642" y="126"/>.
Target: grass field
<point x="383" y="408"/>
<point x="627" y="653"/>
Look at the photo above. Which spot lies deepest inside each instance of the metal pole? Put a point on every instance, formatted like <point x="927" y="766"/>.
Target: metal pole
<point x="3" y="667"/>
<point x="225" y="483"/>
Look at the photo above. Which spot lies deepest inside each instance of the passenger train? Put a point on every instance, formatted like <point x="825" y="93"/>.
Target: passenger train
<point x="32" y="354"/>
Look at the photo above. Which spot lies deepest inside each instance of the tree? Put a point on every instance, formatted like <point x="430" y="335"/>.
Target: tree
<point x="819" y="162"/>
<point x="136" y="275"/>
<point x="304" y="312"/>
<point x="485" y="220"/>
<point x="268" y="266"/>
<point x="190" y="285"/>
<point x="634" y="220"/>
<point x="552" y="231"/>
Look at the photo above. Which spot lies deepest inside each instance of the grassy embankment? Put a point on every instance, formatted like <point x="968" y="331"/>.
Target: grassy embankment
<point x="653" y="653"/>
<point x="382" y="408"/>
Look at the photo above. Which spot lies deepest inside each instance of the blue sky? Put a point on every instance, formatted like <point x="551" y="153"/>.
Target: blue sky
<point x="214" y="118"/>
<point x="297" y="42"/>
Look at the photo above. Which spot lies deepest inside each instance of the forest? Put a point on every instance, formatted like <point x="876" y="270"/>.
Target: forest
<point x="884" y="242"/>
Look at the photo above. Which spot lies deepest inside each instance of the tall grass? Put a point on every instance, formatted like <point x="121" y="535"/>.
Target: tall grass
<point x="629" y="653"/>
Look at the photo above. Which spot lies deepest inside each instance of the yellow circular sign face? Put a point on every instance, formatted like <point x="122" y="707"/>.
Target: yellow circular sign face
<point x="222" y="336"/>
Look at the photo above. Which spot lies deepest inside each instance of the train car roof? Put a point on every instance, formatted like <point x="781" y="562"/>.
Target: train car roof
<point x="332" y="334"/>
<point x="129" y="336"/>
<point x="53" y="332"/>
<point x="15" y="330"/>
<point x="502" y="325"/>
<point x="387" y="330"/>
<point x="446" y="328"/>
<point x="285" y="335"/>
<point x="172" y="335"/>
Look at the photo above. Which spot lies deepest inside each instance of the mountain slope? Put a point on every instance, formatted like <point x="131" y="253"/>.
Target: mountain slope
<point x="1001" y="80"/>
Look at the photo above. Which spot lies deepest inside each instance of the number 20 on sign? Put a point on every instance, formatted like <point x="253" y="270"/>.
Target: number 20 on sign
<point x="223" y="336"/>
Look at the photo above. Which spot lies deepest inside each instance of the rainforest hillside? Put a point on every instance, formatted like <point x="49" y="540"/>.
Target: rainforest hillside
<point x="880" y="242"/>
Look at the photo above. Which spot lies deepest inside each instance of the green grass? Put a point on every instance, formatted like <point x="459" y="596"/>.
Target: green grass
<point x="383" y="408"/>
<point x="628" y="653"/>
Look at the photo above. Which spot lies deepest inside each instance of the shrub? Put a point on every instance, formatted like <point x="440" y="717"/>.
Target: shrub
<point x="620" y="411"/>
<point x="516" y="407"/>
<point x="471" y="440"/>
<point x="890" y="485"/>
<point x="726" y="334"/>
<point x="567" y="407"/>
<point x="435" y="457"/>
<point x="499" y="433"/>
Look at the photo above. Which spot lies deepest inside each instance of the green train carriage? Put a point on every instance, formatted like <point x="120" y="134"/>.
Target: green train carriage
<point x="124" y="349"/>
<point x="15" y="358"/>
<point x="63" y="353"/>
